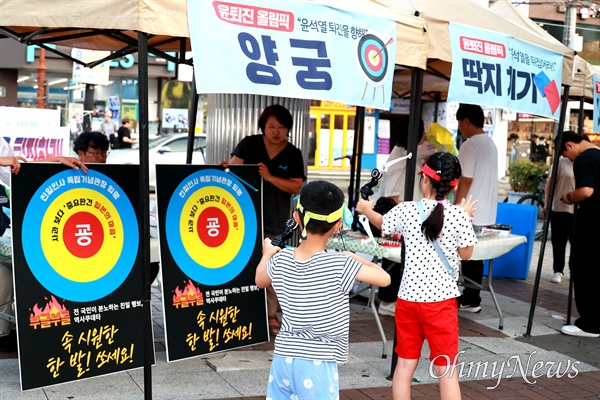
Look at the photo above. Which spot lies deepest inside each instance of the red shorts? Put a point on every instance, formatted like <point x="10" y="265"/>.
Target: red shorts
<point x="436" y="321"/>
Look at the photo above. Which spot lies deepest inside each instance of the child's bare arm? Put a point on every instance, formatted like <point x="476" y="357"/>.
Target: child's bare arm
<point x="465" y="253"/>
<point x="262" y="278"/>
<point x="370" y="272"/>
<point x="366" y="208"/>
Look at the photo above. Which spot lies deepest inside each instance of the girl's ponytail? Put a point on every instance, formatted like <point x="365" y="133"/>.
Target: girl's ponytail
<point x="446" y="170"/>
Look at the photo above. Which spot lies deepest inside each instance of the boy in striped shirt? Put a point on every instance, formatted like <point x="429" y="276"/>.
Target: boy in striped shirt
<point x="313" y="286"/>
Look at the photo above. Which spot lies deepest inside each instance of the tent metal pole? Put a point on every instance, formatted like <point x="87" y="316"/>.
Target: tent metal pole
<point x="581" y="116"/>
<point x="88" y="107"/>
<point x="414" y="133"/>
<point x="555" y="157"/>
<point x="414" y="136"/>
<point x="193" y="111"/>
<point x="145" y="209"/>
<point x="357" y="150"/>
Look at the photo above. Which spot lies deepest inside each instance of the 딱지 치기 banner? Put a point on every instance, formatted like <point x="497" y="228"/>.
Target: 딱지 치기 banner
<point x="495" y="69"/>
<point x="210" y="244"/>
<point x="78" y="277"/>
<point x="292" y="49"/>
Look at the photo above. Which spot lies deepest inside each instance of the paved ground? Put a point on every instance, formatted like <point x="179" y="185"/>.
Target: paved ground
<point x="495" y="364"/>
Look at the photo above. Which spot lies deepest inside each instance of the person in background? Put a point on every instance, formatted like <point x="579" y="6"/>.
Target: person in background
<point x="511" y="149"/>
<point x="392" y="186"/>
<point x="427" y="302"/>
<point x="91" y="147"/>
<point x="584" y="270"/>
<point x="561" y="216"/>
<point x="478" y="158"/>
<point x="313" y="286"/>
<point x="393" y="181"/>
<point x="124" y="134"/>
<point x="109" y="129"/>
<point x="541" y="149"/>
<point x="281" y="165"/>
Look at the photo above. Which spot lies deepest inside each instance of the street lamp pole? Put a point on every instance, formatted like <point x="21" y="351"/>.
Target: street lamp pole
<point x="41" y="79"/>
<point x="570" y="23"/>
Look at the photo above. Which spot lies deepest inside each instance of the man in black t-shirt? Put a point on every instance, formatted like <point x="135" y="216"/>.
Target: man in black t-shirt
<point x="124" y="133"/>
<point x="584" y="256"/>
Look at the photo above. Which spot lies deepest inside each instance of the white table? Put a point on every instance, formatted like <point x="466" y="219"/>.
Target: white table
<point x="488" y="248"/>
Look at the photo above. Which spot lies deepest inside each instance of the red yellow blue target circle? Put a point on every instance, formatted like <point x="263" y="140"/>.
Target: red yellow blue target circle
<point x="85" y="249"/>
<point x="205" y="225"/>
<point x="211" y="228"/>
<point x="80" y="235"/>
<point x="372" y="57"/>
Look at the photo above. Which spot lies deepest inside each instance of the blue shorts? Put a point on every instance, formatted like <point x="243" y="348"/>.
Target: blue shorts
<point x="303" y="379"/>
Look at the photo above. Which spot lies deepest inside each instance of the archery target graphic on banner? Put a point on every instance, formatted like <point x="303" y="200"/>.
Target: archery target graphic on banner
<point x="372" y="58"/>
<point x="211" y="226"/>
<point x="88" y="239"/>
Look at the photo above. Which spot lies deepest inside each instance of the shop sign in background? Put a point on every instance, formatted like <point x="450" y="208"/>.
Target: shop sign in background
<point x="292" y="49"/>
<point x="33" y="132"/>
<point x="495" y="69"/>
<point x="98" y="75"/>
<point x="210" y="244"/>
<point x="78" y="277"/>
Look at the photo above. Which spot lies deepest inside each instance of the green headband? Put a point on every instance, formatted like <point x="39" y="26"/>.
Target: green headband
<point x="308" y="215"/>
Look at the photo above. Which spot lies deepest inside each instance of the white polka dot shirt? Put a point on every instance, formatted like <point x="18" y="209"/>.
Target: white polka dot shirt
<point x="425" y="277"/>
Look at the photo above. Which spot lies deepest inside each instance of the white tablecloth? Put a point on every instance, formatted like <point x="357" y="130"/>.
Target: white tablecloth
<point x="488" y="248"/>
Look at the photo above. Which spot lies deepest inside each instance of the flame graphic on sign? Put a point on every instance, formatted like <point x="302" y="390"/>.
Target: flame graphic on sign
<point x="52" y="307"/>
<point x="52" y="313"/>
<point x="190" y="295"/>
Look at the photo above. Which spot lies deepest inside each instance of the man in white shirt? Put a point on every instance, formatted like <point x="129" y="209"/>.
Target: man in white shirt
<point x="478" y="158"/>
<point x="109" y="128"/>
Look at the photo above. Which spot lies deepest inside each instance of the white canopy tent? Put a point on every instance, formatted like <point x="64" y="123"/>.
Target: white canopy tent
<point x="72" y="23"/>
<point x="583" y="84"/>
<point x="439" y="13"/>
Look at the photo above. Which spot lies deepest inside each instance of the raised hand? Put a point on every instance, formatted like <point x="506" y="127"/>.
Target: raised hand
<point x="469" y="205"/>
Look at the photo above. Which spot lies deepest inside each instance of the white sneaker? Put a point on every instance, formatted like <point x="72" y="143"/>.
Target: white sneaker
<point x="557" y="277"/>
<point x="386" y="308"/>
<point x="575" y="331"/>
<point x="469" y="308"/>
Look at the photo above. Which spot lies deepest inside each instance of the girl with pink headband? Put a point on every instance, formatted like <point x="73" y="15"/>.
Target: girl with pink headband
<point x="436" y="235"/>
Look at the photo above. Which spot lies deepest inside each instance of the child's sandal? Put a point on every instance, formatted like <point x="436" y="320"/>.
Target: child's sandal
<point x="273" y="324"/>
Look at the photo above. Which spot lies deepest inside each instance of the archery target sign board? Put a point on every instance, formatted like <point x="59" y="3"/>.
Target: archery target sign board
<point x="210" y="244"/>
<point x="78" y="277"/>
